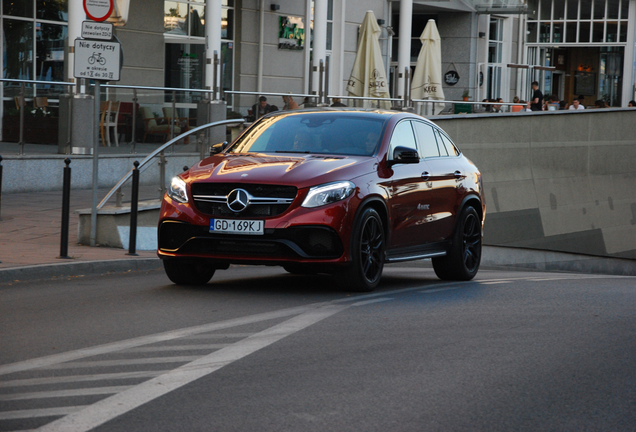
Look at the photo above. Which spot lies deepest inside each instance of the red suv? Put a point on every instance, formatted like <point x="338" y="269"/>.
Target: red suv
<point x="338" y="191"/>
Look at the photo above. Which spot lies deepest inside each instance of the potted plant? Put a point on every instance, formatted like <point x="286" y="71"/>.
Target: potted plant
<point x="465" y="95"/>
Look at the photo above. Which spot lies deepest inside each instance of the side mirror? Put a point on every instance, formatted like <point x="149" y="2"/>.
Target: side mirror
<point x="404" y="155"/>
<point x="218" y="148"/>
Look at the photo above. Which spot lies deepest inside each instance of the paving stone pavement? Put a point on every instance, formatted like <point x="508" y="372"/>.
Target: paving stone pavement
<point x="30" y="236"/>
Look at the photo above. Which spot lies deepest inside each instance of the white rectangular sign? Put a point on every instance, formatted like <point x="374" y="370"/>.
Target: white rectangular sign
<point x="97" y="60"/>
<point x="95" y="30"/>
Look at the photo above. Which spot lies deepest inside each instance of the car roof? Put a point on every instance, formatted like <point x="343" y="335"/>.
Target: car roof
<point x="370" y="112"/>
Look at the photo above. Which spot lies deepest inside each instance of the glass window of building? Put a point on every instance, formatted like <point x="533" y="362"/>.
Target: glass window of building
<point x="577" y="21"/>
<point x="598" y="26"/>
<point x="185" y="55"/>
<point x="495" y="53"/>
<point x="33" y="34"/>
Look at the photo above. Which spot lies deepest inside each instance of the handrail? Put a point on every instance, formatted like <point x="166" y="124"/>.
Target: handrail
<point x="151" y="156"/>
<point x="36" y="82"/>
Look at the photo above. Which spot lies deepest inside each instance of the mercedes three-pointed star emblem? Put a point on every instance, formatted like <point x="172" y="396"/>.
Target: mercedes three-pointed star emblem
<point x="238" y="200"/>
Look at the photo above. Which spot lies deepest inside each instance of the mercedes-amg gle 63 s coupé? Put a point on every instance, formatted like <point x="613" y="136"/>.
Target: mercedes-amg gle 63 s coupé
<point x="338" y="191"/>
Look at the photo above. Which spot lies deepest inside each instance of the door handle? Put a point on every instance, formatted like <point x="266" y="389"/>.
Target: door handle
<point x="458" y="174"/>
<point x="425" y="175"/>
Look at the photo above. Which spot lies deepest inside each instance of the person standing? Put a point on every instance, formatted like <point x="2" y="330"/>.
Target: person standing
<point x="537" y="97"/>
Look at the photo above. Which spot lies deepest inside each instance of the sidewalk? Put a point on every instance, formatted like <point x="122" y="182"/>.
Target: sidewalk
<point x="30" y="238"/>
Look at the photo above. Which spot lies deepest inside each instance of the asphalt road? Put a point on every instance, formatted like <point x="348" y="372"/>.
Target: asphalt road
<point x="260" y="350"/>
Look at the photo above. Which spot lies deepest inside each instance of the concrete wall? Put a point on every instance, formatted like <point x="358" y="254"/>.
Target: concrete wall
<point x="559" y="181"/>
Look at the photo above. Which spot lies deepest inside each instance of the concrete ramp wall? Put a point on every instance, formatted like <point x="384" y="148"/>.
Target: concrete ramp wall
<point x="557" y="181"/>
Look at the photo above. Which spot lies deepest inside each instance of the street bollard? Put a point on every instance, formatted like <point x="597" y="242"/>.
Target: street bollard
<point x="134" y="202"/>
<point x="66" y="203"/>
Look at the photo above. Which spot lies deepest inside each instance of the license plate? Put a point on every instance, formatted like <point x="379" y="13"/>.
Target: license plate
<point x="235" y="226"/>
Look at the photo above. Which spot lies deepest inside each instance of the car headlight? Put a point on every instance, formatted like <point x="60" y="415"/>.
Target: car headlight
<point x="177" y="190"/>
<point x="328" y="193"/>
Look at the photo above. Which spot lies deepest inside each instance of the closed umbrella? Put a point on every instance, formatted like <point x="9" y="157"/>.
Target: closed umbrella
<point x="368" y="77"/>
<point x="427" y="78"/>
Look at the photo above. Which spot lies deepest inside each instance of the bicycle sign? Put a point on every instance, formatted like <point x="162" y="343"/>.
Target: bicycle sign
<point x="98" y="60"/>
<point x="97" y="57"/>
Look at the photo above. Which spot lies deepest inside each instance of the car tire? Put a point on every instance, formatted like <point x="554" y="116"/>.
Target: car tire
<point x="367" y="254"/>
<point x="188" y="272"/>
<point x="462" y="261"/>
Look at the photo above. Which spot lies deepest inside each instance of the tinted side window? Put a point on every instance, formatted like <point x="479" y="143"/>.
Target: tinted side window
<point x="426" y="139"/>
<point x="448" y="144"/>
<point x="403" y="136"/>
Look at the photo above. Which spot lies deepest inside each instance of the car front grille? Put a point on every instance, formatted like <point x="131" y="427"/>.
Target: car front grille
<point x="265" y="200"/>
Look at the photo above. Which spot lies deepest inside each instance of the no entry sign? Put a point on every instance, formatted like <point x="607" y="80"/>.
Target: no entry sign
<point x="98" y="10"/>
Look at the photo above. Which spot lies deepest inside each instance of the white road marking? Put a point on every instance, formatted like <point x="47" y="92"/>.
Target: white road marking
<point x="495" y="282"/>
<point x="219" y="336"/>
<point x="147" y="340"/>
<point x="121" y="403"/>
<point x="64" y="393"/>
<point x="80" y="378"/>
<point x="367" y="302"/>
<point x="177" y="348"/>
<point x="121" y="362"/>
<point x="438" y="290"/>
<point x="43" y="412"/>
<point x="552" y="279"/>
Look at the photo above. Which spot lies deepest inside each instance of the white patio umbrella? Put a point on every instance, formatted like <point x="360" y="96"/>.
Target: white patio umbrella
<point x="427" y="78"/>
<point x="368" y="77"/>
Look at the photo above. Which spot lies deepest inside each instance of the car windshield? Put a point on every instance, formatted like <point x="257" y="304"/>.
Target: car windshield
<point x="321" y="133"/>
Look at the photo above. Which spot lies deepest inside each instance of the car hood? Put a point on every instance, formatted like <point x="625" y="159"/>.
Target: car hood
<point x="300" y="171"/>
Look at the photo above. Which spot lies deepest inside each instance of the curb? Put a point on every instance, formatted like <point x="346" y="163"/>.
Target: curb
<point x="50" y="271"/>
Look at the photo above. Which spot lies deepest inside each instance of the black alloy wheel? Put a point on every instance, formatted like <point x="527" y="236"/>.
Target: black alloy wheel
<point x="367" y="253"/>
<point x="463" y="260"/>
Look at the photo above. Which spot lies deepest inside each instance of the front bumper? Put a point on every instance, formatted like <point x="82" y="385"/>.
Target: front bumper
<point x="298" y="236"/>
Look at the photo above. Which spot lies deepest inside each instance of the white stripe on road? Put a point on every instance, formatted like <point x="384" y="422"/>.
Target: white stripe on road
<point x="43" y="412"/>
<point x="114" y="406"/>
<point x="495" y="282"/>
<point x="220" y="336"/>
<point x="146" y="340"/>
<point x="80" y="378"/>
<point x="64" y="393"/>
<point x="438" y="290"/>
<point x="177" y="348"/>
<point x="367" y="302"/>
<point x="122" y="362"/>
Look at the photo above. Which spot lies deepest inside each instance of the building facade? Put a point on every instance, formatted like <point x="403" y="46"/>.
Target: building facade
<point x="572" y="47"/>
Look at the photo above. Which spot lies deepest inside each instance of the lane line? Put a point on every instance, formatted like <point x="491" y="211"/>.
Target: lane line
<point x="43" y="412"/>
<point x="147" y="340"/>
<point x="191" y="332"/>
<point x="121" y="403"/>
<point x="219" y="336"/>
<point x="64" y="393"/>
<point x="496" y="282"/>
<point x="438" y="290"/>
<point x="80" y="378"/>
<point x="367" y="302"/>
<point x="177" y="348"/>
<point x="121" y="362"/>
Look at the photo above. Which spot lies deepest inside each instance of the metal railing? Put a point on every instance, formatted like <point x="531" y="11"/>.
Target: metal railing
<point x="160" y="152"/>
